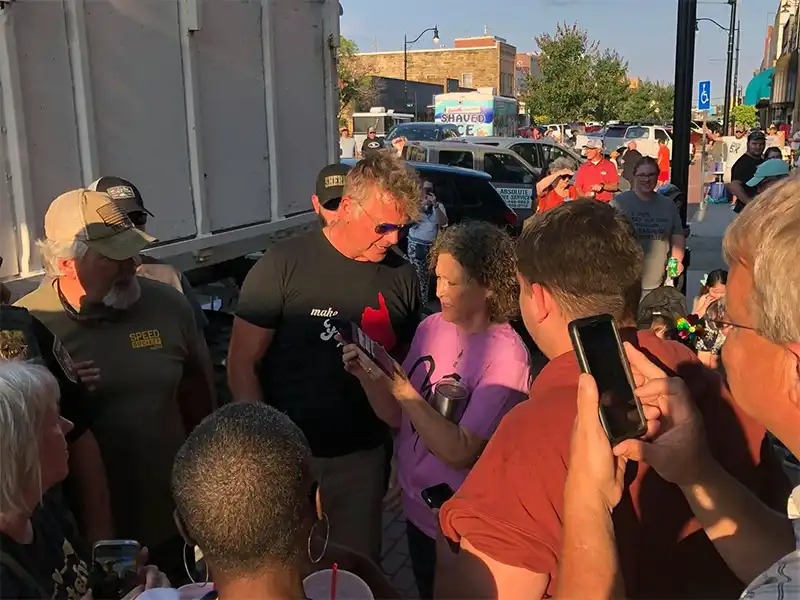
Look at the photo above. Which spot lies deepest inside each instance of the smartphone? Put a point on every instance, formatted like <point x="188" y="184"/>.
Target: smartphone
<point x="600" y="353"/>
<point x="353" y="334"/>
<point x="115" y="568"/>
<point x="435" y="496"/>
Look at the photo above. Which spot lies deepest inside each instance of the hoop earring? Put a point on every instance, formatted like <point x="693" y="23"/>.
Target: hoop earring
<point x="327" y="524"/>
<point x="189" y="572"/>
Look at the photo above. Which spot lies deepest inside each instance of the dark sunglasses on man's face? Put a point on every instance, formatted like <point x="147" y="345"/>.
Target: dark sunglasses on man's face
<point x="387" y="228"/>
<point x="139" y="219"/>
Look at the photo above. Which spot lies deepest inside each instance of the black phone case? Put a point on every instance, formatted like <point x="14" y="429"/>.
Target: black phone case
<point x="583" y="363"/>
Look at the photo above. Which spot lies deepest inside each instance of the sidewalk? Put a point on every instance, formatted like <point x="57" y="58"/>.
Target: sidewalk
<point x="708" y="228"/>
<point x="395" y="561"/>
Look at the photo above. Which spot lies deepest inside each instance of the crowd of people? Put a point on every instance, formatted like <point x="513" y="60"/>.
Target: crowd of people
<point x="351" y="389"/>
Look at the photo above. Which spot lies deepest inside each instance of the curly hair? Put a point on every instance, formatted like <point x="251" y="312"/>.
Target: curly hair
<point x="486" y="253"/>
<point x="395" y="182"/>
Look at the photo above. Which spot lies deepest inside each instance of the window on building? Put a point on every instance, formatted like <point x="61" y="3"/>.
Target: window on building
<point x="466" y="80"/>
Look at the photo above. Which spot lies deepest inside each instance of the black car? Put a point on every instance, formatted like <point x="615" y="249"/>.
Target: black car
<point x="423" y="132"/>
<point x="465" y="194"/>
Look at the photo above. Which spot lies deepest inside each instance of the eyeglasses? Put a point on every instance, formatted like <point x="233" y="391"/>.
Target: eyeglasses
<point x="138" y="218"/>
<point x="647" y="175"/>
<point x="722" y="324"/>
<point x="385" y="228"/>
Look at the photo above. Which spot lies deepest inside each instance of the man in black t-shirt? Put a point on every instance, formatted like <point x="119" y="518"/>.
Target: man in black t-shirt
<point x="372" y="143"/>
<point x="283" y="350"/>
<point x="745" y="168"/>
<point x="23" y="337"/>
<point x="628" y="161"/>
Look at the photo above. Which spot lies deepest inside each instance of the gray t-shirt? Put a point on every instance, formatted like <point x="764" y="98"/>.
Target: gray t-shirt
<point x="654" y="221"/>
<point x="347" y="147"/>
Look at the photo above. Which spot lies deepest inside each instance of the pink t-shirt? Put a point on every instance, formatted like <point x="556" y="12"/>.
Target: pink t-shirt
<point x="494" y="366"/>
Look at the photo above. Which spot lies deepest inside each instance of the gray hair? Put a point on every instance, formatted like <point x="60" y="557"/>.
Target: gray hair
<point x="26" y="391"/>
<point x="561" y="163"/>
<point x="766" y="238"/>
<point x="53" y="252"/>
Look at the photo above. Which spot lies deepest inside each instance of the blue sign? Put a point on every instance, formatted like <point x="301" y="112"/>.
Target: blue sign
<point x="704" y="95"/>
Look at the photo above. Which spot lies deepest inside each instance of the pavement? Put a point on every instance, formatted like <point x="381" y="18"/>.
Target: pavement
<point x="708" y="224"/>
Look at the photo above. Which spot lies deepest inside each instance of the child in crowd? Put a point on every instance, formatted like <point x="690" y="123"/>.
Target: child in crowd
<point x="713" y="288"/>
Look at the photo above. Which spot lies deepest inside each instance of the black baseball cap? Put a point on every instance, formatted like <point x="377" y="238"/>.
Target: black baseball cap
<point x="122" y="192"/>
<point x="756" y="135"/>
<point x="330" y="185"/>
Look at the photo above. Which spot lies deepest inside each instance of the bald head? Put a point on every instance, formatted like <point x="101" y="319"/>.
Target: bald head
<point x="631" y="145"/>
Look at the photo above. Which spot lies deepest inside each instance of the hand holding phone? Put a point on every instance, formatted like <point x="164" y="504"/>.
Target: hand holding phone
<point x="435" y="496"/>
<point x="115" y="568"/>
<point x="351" y="333"/>
<point x="600" y="353"/>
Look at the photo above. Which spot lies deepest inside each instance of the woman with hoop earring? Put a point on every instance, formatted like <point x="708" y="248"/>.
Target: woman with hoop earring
<point x="248" y="505"/>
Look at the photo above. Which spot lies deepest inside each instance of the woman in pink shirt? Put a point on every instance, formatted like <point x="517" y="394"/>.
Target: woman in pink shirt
<point x="469" y="346"/>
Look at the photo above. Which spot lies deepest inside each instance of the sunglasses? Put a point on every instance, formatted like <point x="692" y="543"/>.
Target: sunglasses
<point x="385" y="228"/>
<point x="139" y="219"/>
<point x="722" y="324"/>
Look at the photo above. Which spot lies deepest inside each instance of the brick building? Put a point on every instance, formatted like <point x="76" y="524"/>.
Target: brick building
<point x="486" y="61"/>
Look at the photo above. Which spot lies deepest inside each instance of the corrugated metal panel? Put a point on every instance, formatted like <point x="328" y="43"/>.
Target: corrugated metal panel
<point x="230" y="70"/>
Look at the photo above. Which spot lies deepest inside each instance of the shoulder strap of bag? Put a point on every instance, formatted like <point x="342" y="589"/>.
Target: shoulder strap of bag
<point x="20" y="572"/>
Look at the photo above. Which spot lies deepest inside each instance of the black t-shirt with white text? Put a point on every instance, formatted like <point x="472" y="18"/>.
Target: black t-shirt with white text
<point x="371" y="145"/>
<point x="53" y="565"/>
<point x="743" y="170"/>
<point x="296" y="289"/>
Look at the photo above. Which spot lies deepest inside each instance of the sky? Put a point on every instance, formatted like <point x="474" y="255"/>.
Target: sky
<point x="642" y="31"/>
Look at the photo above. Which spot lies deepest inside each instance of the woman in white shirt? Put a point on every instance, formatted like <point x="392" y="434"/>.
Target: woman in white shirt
<point x="422" y="234"/>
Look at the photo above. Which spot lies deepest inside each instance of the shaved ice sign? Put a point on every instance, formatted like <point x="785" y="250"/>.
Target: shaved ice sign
<point x="472" y="117"/>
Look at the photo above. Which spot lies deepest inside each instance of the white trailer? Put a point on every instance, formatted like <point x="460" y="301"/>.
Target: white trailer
<point x="208" y="106"/>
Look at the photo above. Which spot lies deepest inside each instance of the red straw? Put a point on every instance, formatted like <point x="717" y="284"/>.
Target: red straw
<point x="335" y="569"/>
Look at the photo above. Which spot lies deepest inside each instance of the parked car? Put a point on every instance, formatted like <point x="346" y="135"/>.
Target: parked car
<point x="423" y="132"/>
<point x="512" y="176"/>
<point x="538" y="153"/>
<point x="466" y="194"/>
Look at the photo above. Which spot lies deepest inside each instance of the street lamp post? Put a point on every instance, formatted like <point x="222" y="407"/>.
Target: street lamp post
<point x="736" y="72"/>
<point x="729" y="68"/>
<point x="406" y="44"/>
<point x="684" y="77"/>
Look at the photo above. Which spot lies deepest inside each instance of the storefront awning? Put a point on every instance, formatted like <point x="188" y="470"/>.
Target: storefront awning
<point x="760" y="87"/>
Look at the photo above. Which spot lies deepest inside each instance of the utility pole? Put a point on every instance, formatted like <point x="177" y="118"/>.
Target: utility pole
<point x="736" y="72"/>
<point x="684" y="89"/>
<point x="729" y="71"/>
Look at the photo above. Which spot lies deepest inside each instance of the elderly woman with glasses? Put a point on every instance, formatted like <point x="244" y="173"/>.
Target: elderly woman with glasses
<point x="556" y="187"/>
<point x="42" y="554"/>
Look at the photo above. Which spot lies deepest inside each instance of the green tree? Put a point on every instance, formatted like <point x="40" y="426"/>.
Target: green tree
<point x="355" y="85"/>
<point x="744" y="115"/>
<point x="650" y="101"/>
<point x="610" y="89"/>
<point x="577" y="81"/>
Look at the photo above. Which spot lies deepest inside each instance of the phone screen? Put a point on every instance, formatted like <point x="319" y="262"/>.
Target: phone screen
<point x="353" y="334"/>
<point x="604" y="356"/>
<point x="114" y="567"/>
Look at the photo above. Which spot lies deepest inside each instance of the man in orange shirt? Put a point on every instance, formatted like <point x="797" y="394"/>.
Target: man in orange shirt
<point x="663" y="162"/>
<point x="597" y="178"/>
<point x="576" y="260"/>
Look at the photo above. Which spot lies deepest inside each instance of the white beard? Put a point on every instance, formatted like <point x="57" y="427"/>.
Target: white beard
<point x="123" y="294"/>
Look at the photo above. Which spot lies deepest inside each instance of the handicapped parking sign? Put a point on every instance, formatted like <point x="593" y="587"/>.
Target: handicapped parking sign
<point x="704" y="95"/>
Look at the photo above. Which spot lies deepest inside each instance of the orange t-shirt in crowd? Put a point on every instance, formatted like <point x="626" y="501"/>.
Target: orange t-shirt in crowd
<point x="590" y="174"/>
<point x="663" y="163"/>
<point x="551" y="199"/>
<point x="511" y="505"/>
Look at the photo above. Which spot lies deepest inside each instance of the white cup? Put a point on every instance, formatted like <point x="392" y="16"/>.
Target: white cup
<point x="349" y="586"/>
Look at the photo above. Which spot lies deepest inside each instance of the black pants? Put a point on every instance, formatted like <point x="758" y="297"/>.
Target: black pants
<point x="422" y="550"/>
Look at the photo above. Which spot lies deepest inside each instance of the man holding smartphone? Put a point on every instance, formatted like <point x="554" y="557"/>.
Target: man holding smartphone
<point x="508" y="515"/>
<point x="283" y="350"/>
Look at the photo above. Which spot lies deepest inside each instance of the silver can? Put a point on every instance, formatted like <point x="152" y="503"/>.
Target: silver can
<point x="450" y="399"/>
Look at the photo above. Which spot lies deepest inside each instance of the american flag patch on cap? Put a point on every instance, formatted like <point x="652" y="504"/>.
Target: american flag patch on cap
<point x="113" y="216"/>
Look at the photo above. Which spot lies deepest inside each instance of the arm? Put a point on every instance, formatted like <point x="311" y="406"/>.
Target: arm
<point x="249" y="344"/>
<point x="91" y="489"/>
<point x="748" y="535"/>
<point x="612" y="185"/>
<point x="737" y="189"/>
<point x="678" y="243"/>
<point x="258" y="315"/>
<point x="454" y="445"/>
<point x="589" y="566"/>
<point x="545" y="182"/>
<point x="197" y="395"/>
<point x="470" y="573"/>
<point x="441" y="215"/>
